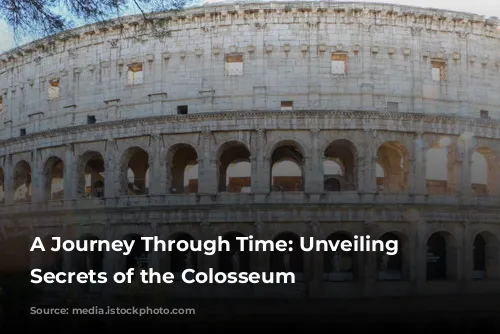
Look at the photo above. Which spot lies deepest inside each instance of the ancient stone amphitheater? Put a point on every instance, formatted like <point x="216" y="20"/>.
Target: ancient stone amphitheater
<point x="278" y="120"/>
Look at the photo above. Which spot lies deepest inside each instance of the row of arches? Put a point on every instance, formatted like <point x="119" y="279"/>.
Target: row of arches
<point x="234" y="172"/>
<point x="441" y="257"/>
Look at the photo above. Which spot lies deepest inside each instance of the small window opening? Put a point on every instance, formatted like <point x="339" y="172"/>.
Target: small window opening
<point x="339" y="63"/>
<point x="286" y="105"/>
<point x="53" y="89"/>
<point x="135" y="74"/>
<point x="182" y="110"/>
<point x="234" y="65"/>
<point x="22" y="132"/>
<point x="485" y="114"/>
<point x="392" y="106"/>
<point x="438" y="71"/>
<point x="91" y="119"/>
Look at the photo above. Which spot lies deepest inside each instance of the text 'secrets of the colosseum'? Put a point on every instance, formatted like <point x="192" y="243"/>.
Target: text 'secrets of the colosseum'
<point x="271" y="119"/>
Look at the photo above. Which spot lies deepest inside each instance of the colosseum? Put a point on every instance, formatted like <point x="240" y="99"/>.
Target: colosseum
<point x="277" y="120"/>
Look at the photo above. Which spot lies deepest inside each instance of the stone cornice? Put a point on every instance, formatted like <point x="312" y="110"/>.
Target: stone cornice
<point x="267" y="211"/>
<point x="412" y="123"/>
<point x="367" y="14"/>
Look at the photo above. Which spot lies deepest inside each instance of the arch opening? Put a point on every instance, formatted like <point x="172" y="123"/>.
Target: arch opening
<point x="484" y="172"/>
<point x="234" y="260"/>
<point x="135" y="166"/>
<point x="289" y="261"/>
<point x="138" y="257"/>
<point x="51" y="261"/>
<point x="234" y="168"/>
<point x="441" y="253"/>
<point x="287" y="168"/>
<point x="393" y="267"/>
<point x="440" y="167"/>
<point x="91" y="175"/>
<point x="90" y="260"/>
<point x="340" y="166"/>
<point x="393" y="159"/>
<point x="54" y="178"/>
<point x="183" y="176"/>
<point x="339" y="266"/>
<point x="22" y="182"/>
<point x="486" y="250"/>
<point x="182" y="260"/>
<point x="2" y="187"/>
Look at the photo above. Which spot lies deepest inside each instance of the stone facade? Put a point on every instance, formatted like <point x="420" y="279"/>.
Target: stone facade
<point x="100" y="101"/>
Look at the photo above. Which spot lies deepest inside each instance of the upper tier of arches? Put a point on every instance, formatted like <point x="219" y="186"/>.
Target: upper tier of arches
<point x="312" y="56"/>
<point x="258" y="162"/>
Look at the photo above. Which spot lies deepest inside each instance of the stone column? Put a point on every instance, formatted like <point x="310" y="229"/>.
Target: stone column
<point x="464" y="74"/>
<point x="259" y="260"/>
<point x="417" y="89"/>
<point x="157" y="168"/>
<point x="70" y="169"/>
<point x="361" y="173"/>
<point x="207" y="167"/>
<point x="466" y="259"/>
<point x="8" y="170"/>
<point x="369" y="276"/>
<point x="419" y="167"/>
<point x="113" y="262"/>
<point x="316" y="267"/>
<point x="366" y="86"/>
<point x="419" y="243"/>
<point x="153" y="256"/>
<point x="205" y="262"/>
<point x="261" y="173"/>
<point x="38" y="178"/>
<point x="314" y="174"/>
<point x="466" y="186"/>
<point x="112" y="183"/>
<point x="370" y="159"/>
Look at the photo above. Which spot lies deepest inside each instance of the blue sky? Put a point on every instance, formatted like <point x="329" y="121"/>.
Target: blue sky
<point x="482" y="7"/>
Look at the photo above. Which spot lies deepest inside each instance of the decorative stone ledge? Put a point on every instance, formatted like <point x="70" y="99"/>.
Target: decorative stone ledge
<point x="209" y="14"/>
<point x="413" y="122"/>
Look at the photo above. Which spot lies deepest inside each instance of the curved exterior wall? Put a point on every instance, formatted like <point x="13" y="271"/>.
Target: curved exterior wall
<point x="287" y="51"/>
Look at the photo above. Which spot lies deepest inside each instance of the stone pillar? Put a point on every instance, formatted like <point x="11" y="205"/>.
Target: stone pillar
<point x="261" y="173"/>
<point x="259" y="260"/>
<point x="417" y="89"/>
<point x="111" y="262"/>
<point x="360" y="173"/>
<point x="418" y="183"/>
<point x="316" y="264"/>
<point x="464" y="75"/>
<point x="369" y="276"/>
<point x="466" y="175"/>
<point x="370" y="159"/>
<point x="366" y="86"/>
<point x="314" y="174"/>
<point x="205" y="262"/>
<point x="466" y="259"/>
<point x="153" y="257"/>
<point x="420" y="254"/>
<point x="38" y="178"/>
<point x="112" y="183"/>
<point x="207" y="166"/>
<point x="70" y="169"/>
<point x="157" y="167"/>
<point x="8" y="170"/>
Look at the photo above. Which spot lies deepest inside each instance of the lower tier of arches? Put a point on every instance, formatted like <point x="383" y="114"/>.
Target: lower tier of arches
<point x="445" y="257"/>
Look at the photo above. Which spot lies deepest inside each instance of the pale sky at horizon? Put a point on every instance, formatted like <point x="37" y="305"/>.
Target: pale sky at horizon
<point x="487" y="8"/>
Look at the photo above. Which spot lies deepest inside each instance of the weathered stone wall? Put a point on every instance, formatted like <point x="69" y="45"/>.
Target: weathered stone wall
<point x="286" y="50"/>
